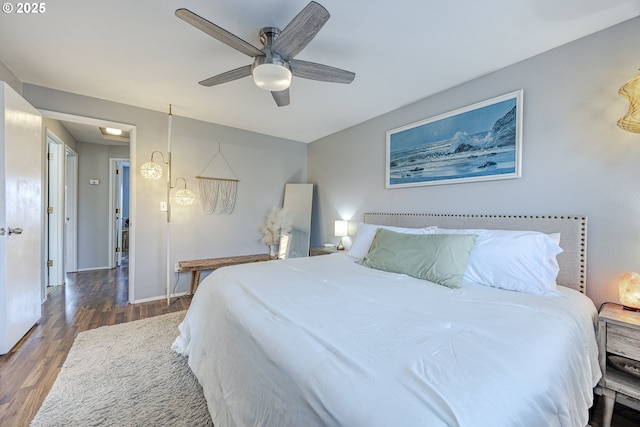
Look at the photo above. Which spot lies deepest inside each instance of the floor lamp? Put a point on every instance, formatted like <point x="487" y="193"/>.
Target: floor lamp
<point x="185" y="197"/>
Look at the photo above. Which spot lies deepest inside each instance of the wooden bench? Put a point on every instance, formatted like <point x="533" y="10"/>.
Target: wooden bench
<point x="195" y="266"/>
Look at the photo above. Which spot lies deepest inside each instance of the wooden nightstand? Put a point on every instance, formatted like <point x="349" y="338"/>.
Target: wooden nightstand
<point x="322" y="250"/>
<point x="618" y="335"/>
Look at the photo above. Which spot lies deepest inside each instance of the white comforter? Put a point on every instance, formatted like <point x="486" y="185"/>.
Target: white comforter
<point x="323" y="341"/>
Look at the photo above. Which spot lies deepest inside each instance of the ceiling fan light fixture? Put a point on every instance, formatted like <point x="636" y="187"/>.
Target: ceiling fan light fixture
<point x="272" y="77"/>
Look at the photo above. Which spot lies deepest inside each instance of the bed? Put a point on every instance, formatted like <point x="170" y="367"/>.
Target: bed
<point x="332" y="341"/>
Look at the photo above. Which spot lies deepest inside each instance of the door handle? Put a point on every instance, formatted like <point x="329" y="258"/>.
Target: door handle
<point x="11" y="231"/>
<point x="1" y="231"/>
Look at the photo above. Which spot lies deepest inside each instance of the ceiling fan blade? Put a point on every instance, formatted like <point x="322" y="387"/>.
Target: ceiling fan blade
<point x="323" y="73"/>
<point x="218" y="33"/>
<point x="281" y="97"/>
<point x="236" y="74"/>
<point x="300" y="31"/>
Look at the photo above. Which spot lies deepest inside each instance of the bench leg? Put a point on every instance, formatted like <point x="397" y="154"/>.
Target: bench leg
<point x="195" y="281"/>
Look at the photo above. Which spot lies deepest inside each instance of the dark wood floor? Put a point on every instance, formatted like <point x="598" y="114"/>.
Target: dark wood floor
<point x="88" y="300"/>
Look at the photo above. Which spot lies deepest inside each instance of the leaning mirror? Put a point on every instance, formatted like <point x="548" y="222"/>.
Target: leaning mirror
<point x="297" y="204"/>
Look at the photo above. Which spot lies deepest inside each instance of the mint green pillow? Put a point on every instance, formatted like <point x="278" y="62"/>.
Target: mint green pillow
<point x="439" y="258"/>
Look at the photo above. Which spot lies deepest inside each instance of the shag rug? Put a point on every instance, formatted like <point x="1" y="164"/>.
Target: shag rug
<point x="126" y="375"/>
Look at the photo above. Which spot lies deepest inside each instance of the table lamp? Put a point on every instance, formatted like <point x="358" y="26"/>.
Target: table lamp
<point x="629" y="291"/>
<point x="341" y="229"/>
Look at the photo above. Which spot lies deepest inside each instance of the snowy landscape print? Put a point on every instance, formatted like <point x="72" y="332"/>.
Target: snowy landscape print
<point x="481" y="142"/>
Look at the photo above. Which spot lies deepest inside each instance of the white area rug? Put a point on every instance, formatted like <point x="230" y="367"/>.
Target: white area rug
<point x="126" y="375"/>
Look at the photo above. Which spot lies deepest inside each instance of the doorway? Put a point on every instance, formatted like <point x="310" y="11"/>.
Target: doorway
<point x="73" y="166"/>
<point x="119" y="208"/>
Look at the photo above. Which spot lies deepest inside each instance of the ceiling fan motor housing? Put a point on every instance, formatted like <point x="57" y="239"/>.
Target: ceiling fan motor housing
<point x="270" y="72"/>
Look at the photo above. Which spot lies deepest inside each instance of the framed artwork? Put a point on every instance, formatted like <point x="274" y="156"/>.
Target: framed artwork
<point x="480" y="142"/>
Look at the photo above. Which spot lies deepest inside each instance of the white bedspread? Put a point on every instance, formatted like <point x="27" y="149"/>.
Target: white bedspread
<point x="322" y="341"/>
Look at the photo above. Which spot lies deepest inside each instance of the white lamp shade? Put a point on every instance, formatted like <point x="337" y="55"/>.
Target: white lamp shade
<point x="272" y="77"/>
<point x="629" y="290"/>
<point x="185" y="197"/>
<point x="151" y="170"/>
<point x="341" y="228"/>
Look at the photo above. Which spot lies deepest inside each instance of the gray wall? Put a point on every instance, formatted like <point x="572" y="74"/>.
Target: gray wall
<point x="263" y="165"/>
<point x="93" y="203"/>
<point x="576" y="161"/>
<point x="60" y="132"/>
<point x="12" y="80"/>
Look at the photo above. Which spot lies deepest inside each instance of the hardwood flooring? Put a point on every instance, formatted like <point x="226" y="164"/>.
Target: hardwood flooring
<point x="88" y="300"/>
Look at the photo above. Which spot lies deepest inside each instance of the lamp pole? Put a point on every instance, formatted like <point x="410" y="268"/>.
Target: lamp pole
<point x="169" y="129"/>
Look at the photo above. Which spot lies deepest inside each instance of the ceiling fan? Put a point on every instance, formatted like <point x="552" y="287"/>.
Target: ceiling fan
<point x="273" y="65"/>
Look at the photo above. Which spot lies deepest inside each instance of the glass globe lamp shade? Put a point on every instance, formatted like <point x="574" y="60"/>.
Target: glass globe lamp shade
<point x="151" y="170"/>
<point x="185" y="197"/>
<point x="272" y="77"/>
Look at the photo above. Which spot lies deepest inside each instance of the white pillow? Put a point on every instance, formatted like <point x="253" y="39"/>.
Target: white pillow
<point x="523" y="261"/>
<point x="366" y="232"/>
<point x="555" y="237"/>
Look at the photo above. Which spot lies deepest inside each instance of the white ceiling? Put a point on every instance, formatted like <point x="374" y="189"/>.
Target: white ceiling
<point x="139" y="53"/>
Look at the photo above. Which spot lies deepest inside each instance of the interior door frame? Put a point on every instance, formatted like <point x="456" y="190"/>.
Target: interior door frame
<point x="54" y="225"/>
<point x="55" y="115"/>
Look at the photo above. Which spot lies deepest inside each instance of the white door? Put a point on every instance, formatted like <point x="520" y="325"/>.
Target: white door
<point x="21" y="217"/>
<point x="118" y="214"/>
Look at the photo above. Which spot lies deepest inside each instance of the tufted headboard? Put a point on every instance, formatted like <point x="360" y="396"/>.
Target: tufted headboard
<point x="572" y="229"/>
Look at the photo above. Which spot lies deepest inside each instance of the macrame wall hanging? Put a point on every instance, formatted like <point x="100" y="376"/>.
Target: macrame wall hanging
<point x="218" y="195"/>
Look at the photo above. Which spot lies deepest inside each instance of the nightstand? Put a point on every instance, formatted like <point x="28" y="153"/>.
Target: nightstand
<point x="618" y="335"/>
<point x="322" y="250"/>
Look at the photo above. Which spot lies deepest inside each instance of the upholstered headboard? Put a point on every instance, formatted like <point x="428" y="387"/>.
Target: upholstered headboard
<point x="572" y="229"/>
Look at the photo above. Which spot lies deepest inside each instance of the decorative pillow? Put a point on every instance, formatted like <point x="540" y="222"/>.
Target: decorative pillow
<point x="523" y="261"/>
<point x="366" y="233"/>
<point x="439" y="258"/>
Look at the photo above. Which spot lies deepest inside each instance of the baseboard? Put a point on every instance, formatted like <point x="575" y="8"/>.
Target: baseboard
<point x="143" y="300"/>
<point x="93" y="268"/>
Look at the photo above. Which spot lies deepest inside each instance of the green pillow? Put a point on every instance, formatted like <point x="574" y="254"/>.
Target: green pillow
<point x="439" y="258"/>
